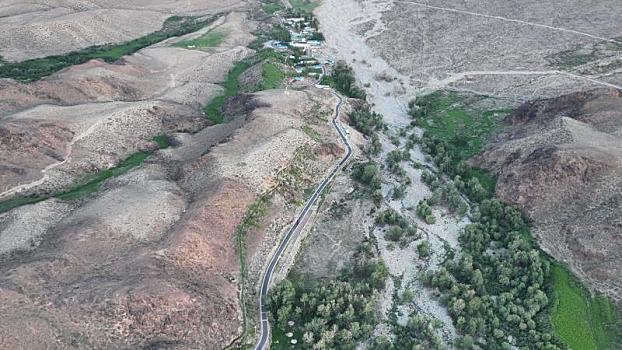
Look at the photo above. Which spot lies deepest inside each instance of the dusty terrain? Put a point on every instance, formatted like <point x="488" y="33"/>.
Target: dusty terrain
<point x="43" y="28"/>
<point x="161" y="89"/>
<point x="516" y="53"/>
<point x="150" y="260"/>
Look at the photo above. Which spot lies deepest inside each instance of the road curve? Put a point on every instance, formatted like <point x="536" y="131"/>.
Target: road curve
<point x="293" y="232"/>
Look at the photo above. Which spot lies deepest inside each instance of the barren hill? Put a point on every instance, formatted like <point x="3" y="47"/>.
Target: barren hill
<point x="43" y="28"/>
<point x="561" y="160"/>
<point x="150" y="260"/>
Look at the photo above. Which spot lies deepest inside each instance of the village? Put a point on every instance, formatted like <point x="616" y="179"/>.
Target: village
<point x="303" y="49"/>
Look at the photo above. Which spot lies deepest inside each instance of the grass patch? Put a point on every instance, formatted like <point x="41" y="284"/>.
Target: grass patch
<point x="213" y="38"/>
<point x="89" y="184"/>
<point x="93" y="184"/>
<point x="35" y="69"/>
<point x="18" y="202"/>
<point x="303" y="5"/>
<point x="163" y="141"/>
<point x="447" y="117"/>
<point x="271" y="8"/>
<point x="584" y="54"/>
<point x="232" y="87"/>
<point x="486" y="179"/>
<point x="582" y="321"/>
<point x="444" y="116"/>
<point x="272" y="76"/>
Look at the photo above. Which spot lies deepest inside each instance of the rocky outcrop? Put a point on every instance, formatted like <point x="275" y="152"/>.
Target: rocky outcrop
<point x="561" y="161"/>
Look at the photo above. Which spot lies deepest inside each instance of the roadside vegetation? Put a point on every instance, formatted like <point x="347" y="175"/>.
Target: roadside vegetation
<point x="35" y="69"/>
<point x="330" y="314"/>
<point x="343" y="80"/>
<point x="366" y="121"/>
<point x="254" y="214"/>
<point x="502" y="291"/>
<point x="90" y="184"/>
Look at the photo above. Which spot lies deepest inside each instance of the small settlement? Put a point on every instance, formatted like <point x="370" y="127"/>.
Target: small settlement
<point x="301" y="46"/>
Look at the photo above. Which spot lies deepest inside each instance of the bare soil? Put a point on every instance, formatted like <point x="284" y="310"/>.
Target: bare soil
<point x="39" y="29"/>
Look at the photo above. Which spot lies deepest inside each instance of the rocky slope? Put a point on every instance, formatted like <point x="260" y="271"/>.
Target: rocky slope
<point x="150" y="260"/>
<point x="561" y="161"/>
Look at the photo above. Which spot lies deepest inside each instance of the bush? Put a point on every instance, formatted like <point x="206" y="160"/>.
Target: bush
<point x="424" y="249"/>
<point x="425" y="212"/>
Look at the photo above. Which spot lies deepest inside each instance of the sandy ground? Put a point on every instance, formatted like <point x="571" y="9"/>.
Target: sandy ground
<point x="389" y="99"/>
<point x="498" y="49"/>
<point x="493" y="48"/>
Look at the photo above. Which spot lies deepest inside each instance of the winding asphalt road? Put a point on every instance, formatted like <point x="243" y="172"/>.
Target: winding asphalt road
<point x="293" y="232"/>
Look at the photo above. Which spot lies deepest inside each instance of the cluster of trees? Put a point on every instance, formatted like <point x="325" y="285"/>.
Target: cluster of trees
<point x="400" y="190"/>
<point x="419" y="333"/>
<point x="424" y="211"/>
<point x="448" y="159"/>
<point x="419" y="109"/>
<point x="374" y="147"/>
<point x="394" y="158"/>
<point x="35" y="69"/>
<point x="393" y="161"/>
<point x="496" y="290"/>
<point x="280" y="33"/>
<point x="424" y="249"/>
<point x="400" y="230"/>
<point x="368" y="175"/>
<point x="447" y="194"/>
<point x="335" y="314"/>
<point x="366" y="121"/>
<point x="344" y="81"/>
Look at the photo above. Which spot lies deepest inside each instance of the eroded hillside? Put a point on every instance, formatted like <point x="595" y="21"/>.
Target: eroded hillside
<point x="122" y="202"/>
<point x="43" y="28"/>
<point x="561" y="160"/>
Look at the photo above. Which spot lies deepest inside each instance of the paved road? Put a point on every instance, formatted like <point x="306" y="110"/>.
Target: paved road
<point x="293" y="232"/>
